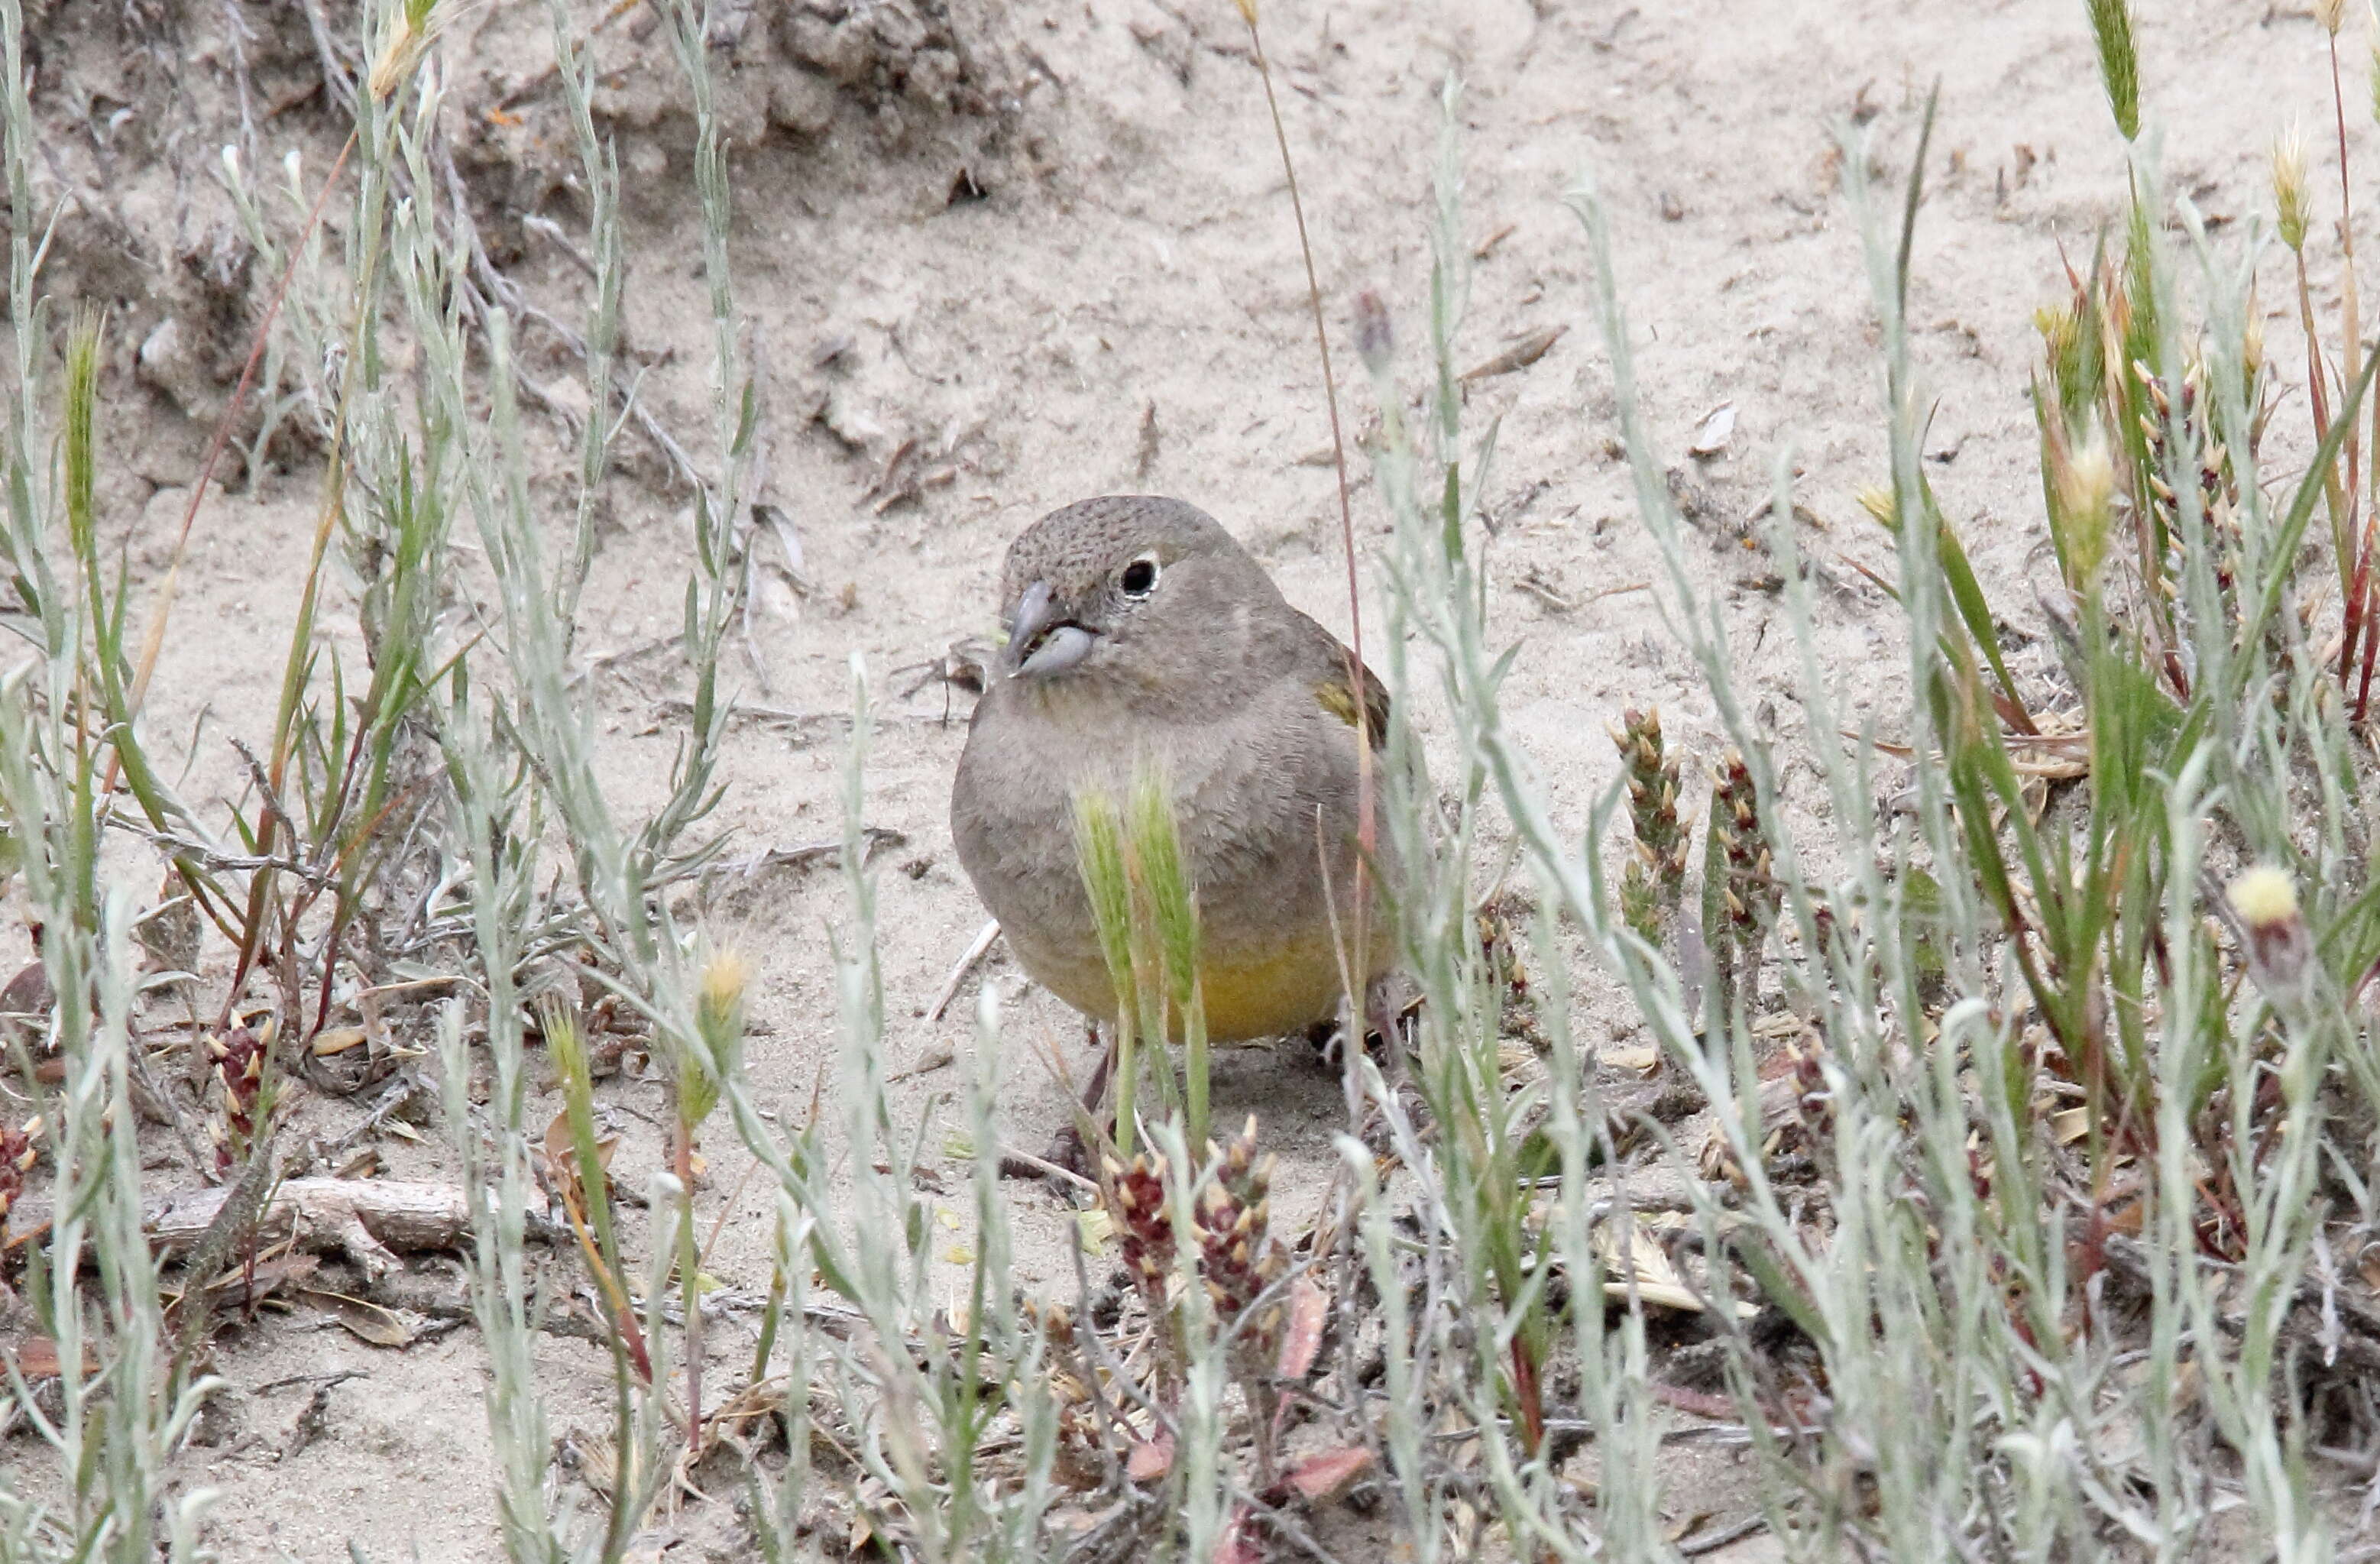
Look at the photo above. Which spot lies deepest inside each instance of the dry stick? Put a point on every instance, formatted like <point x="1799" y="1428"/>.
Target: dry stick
<point x="2347" y="301"/>
<point x="2318" y="404"/>
<point x="974" y="954"/>
<point x="1356" y="668"/>
<point x="684" y="1167"/>
<point x="2356" y="609"/>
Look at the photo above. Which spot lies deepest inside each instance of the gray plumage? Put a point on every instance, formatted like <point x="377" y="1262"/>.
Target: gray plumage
<point x="1141" y="630"/>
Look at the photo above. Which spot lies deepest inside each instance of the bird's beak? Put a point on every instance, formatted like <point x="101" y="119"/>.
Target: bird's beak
<point x="1042" y="641"/>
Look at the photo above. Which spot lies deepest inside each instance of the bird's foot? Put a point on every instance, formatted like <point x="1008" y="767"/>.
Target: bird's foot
<point x="1065" y="1153"/>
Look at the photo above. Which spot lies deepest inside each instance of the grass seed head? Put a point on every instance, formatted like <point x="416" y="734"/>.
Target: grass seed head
<point x="1238" y="1257"/>
<point x="1161" y="876"/>
<point x="1656" y="882"/>
<point x="2289" y="188"/>
<point x="1877" y="501"/>
<point x="1737" y="817"/>
<point x="2374" y="11"/>
<point x="719" y="1004"/>
<point x="1134" y="1197"/>
<point x="2085" y="478"/>
<point x="2119" y="71"/>
<point x="241" y="1057"/>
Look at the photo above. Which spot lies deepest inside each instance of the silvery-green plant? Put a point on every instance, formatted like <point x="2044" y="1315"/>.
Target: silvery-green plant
<point x="123" y="1404"/>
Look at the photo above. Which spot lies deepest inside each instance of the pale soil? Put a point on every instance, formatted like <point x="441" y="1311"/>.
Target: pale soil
<point x="1125" y="310"/>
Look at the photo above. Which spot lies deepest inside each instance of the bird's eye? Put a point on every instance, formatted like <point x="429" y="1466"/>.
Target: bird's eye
<point x="1139" y="577"/>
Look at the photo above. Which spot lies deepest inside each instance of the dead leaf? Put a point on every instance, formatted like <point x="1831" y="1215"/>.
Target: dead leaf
<point x="271" y="1274"/>
<point x="366" y="1322"/>
<point x="36" y="1357"/>
<point x="1302" y="1337"/>
<point x="28" y="993"/>
<point x="1531" y="348"/>
<point x="599" y="1463"/>
<point x="926" y="1066"/>
<point x="2070" y="1125"/>
<point x="1150" y="1459"/>
<point x="1239" y="1544"/>
<point x="1644" y="1268"/>
<point x="1323" y="1478"/>
<point x="337" y="1039"/>
<point x="1690" y="1525"/>
<point x="1637" y="1061"/>
<point x="561" y="1160"/>
<point x="1717" y="428"/>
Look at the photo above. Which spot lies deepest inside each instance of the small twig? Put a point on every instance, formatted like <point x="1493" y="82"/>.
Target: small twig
<point x="1277" y="1518"/>
<point x="546" y="228"/>
<point x="1527" y="582"/>
<point x="1040" y="1165"/>
<point x="1717" y="1540"/>
<point x="611" y="660"/>
<point x="173" y="846"/>
<point x="336" y="1376"/>
<point x="1097" y="1355"/>
<point x="874" y="839"/>
<point x="974" y="954"/>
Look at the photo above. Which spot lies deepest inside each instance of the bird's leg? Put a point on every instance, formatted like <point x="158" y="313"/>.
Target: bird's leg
<point x="1098" y="1089"/>
<point x="1383" y="1011"/>
<point x="1069" y="1149"/>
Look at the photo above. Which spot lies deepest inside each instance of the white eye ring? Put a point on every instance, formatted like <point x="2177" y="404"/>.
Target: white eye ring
<point x="1145" y="584"/>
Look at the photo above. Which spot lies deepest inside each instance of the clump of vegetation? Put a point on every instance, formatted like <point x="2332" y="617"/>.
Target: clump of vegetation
<point x="2043" y="1174"/>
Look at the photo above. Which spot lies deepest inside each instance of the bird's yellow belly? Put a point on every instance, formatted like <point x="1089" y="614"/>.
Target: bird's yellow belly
<point x="1281" y="988"/>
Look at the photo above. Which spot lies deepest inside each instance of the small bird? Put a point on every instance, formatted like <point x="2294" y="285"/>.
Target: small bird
<point x="1140" y="633"/>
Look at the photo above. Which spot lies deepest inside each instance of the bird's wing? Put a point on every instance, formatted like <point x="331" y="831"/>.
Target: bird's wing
<point x="1326" y="660"/>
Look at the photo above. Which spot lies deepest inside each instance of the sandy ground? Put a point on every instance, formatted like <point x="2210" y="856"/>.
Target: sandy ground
<point x="1122" y="309"/>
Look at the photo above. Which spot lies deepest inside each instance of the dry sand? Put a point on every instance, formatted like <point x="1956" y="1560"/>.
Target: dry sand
<point x="1122" y="308"/>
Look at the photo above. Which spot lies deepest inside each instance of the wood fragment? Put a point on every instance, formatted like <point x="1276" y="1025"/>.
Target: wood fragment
<point x="367" y="1222"/>
<point x="974" y="954"/>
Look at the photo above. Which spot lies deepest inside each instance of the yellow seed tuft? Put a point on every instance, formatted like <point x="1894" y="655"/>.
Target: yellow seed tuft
<point x="725" y="977"/>
<point x="2264" y="897"/>
<point x="2086" y="490"/>
<point x="2289" y="188"/>
<point x="402" y="51"/>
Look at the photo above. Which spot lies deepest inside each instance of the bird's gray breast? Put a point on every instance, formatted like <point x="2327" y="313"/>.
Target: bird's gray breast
<point x="1263" y="792"/>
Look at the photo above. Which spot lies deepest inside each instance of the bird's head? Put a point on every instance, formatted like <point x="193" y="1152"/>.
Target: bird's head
<point x="1128" y="586"/>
